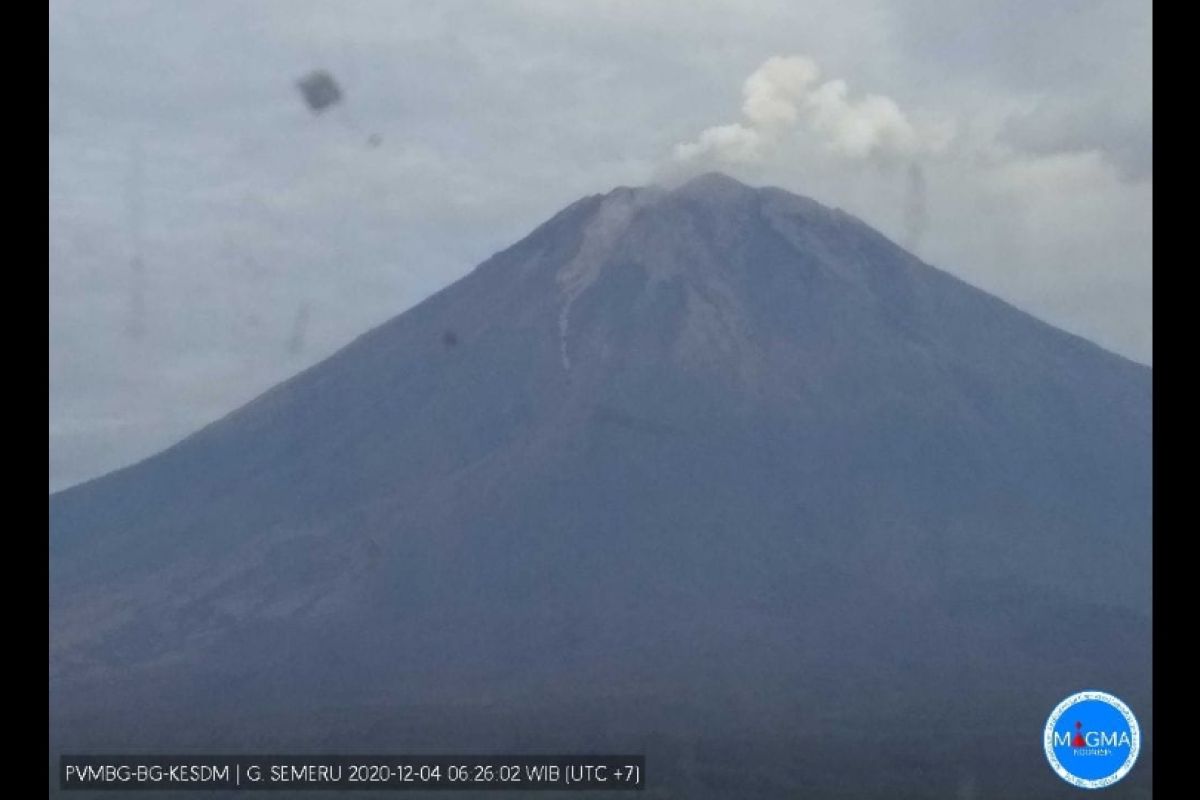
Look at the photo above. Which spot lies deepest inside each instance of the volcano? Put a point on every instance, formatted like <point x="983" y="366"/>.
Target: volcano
<point x="714" y="473"/>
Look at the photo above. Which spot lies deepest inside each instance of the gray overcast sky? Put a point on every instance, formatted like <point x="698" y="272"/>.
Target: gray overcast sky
<point x="269" y="237"/>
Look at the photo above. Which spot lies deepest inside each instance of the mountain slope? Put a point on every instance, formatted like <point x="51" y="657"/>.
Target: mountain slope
<point x="681" y="471"/>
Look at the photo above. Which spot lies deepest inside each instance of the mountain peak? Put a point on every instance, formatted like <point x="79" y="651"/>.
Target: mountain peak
<point x="670" y="441"/>
<point x="713" y="182"/>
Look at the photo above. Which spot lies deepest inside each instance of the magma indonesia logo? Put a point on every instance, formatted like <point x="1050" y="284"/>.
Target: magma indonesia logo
<point x="1092" y="740"/>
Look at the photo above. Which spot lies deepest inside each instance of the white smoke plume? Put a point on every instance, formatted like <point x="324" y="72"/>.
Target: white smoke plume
<point x="785" y="99"/>
<point x="785" y="96"/>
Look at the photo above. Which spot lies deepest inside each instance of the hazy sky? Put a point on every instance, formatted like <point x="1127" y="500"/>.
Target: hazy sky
<point x="209" y="236"/>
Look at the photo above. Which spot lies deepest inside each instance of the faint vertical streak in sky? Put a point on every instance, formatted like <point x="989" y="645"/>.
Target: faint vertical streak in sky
<point x="135" y="205"/>
<point x="916" y="211"/>
<point x="299" y="329"/>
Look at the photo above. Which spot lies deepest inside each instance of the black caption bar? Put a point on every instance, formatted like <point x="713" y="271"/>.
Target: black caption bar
<point x="389" y="773"/>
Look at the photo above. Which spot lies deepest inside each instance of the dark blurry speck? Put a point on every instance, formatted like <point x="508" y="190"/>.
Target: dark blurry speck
<point x="320" y="90"/>
<point x="450" y="339"/>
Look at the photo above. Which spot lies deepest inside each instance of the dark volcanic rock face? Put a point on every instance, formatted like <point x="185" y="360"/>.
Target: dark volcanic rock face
<point x="718" y="474"/>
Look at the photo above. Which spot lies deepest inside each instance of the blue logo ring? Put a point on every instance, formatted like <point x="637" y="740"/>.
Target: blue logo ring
<point x="1105" y="766"/>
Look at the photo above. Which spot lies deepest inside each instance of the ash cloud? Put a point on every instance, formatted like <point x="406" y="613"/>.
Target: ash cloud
<point x="785" y="96"/>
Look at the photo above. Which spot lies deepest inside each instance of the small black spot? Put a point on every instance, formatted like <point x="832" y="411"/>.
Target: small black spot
<point x="450" y="339"/>
<point x="320" y="90"/>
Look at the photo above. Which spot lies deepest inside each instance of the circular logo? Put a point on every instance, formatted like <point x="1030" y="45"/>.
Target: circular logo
<point x="1092" y="740"/>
